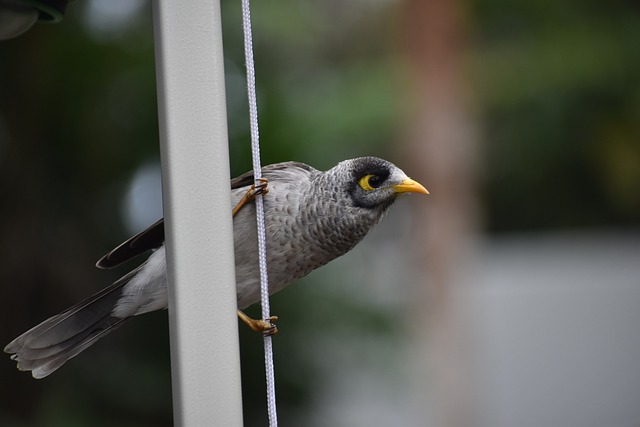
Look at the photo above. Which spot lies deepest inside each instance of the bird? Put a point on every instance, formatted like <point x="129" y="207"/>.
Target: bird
<point x="311" y="218"/>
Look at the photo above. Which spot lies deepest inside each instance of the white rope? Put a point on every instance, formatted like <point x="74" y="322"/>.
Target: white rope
<point x="257" y="174"/>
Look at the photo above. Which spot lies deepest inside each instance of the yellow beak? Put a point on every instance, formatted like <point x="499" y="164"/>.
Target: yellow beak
<point x="410" y="186"/>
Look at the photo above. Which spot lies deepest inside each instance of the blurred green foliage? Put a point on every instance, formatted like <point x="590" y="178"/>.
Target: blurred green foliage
<point x="555" y="86"/>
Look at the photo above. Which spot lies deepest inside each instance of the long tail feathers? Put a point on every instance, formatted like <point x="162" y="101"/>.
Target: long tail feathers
<point x="47" y="346"/>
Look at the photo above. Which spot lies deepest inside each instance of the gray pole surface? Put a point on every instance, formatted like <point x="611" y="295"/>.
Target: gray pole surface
<point x="199" y="235"/>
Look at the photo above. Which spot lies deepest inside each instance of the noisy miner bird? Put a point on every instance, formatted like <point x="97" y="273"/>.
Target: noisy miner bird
<point x="312" y="217"/>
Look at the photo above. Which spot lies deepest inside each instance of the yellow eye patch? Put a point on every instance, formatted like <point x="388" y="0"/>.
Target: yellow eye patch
<point x="370" y="182"/>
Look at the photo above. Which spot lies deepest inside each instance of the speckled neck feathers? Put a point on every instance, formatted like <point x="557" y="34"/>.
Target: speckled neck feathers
<point x="333" y="219"/>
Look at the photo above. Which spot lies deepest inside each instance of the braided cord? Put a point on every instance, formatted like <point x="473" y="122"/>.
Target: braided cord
<point x="262" y="244"/>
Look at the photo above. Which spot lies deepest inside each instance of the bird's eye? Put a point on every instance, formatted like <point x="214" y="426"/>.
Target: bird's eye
<point x="370" y="182"/>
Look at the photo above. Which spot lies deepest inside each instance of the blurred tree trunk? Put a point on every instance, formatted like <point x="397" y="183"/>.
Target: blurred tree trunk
<point x="442" y="147"/>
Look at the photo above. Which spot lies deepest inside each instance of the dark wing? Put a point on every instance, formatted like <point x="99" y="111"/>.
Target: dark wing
<point x="243" y="180"/>
<point x="151" y="238"/>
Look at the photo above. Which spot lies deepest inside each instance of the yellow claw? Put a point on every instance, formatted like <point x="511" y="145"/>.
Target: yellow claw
<point x="266" y="327"/>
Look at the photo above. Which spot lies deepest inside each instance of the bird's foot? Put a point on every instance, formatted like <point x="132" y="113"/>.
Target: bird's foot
<point x="257" y="188"/>
<point x="266" y="327"/>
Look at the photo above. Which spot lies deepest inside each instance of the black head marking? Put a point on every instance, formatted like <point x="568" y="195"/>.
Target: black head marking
<point x="371" y="166"/>
<point x="381" y="171"/>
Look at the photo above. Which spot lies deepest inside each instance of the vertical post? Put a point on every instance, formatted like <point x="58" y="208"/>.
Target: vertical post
<point x="198" y="228"/>
<point x="445" y="145"/>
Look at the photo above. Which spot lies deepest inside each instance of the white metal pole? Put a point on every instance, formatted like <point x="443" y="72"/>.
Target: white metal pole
<point x="199" y="235"/>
